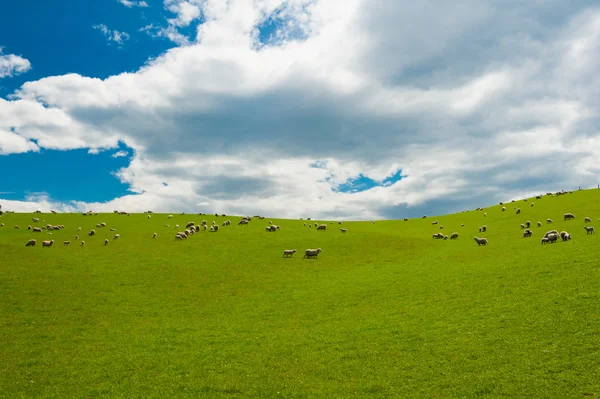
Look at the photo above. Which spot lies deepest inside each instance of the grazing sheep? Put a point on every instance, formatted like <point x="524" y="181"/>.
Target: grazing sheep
<point x="528" y="224"/>
<point x="340" y="222"/>
<point x="79" y="229"/>
<point x="1" y="224"/>
<point x="343" y="230"/>
<point x="102" y="224"/>
<point x="216" y="228"/>
<point x="322" y="227"/>
<point x="406" y="219"/>
<point x="31" y="243"/>
<point x="180" y="237"/>
<point x="205" y="227"/>
<point x="270" y="222"/>
<point x="552" y="237"/>
<point x="117" y="236"/>
<point x="483" y="229"/>
<point x="66" y="242"/>
<point x="589" y="230"/>
<point x="532" y="204"/>
<point x="484" y="213"/>
<point x="462" y="225"/>
<point x="518" y="211"/>
<point x="438" y="235"/>
<point x="587" y="220"/>
<point x="29" y="227"/>
<point x="304" y="224"/>
<point x="166" y="225"/>
<point x="544" y="240"/>
<point x="522" y="226"/>
<point x="480" y="241"/>
<point x="83" y="243"/>
<point x="113" y="229"/>
<point x="539" y="224"/>
<point x="568" y="216"/>
<point x="564" y="234"/>
<point x="454" y="236"/>
<point x="288" y="253"/>
<point x="268" y="228"/>
<point x="549" y="221"/>
<point x="35" y="220"/>
<point x="527" y="233"/>
<point x="37" y="230"/>
<point x="310" y="226"/>
<point x="92" y="232"/>
<point x="106" y="241"/>
<point x="436" y="222"/>
<point x="149" y="216"/>
<point x="47" y="243"/>
<point x="503" y="208"/>
<point x="176" y="227"/>
<point x="170" y="216"/>
<point x="441" y="227"/>
<point x="197" y="228"/>
<point x="312" y="253"/>
<point x="190" y="224"/>
<point x="17" y="227"/>
<point x="372" y="222"/>
<point x="77" y="237"/>
<point x="550" y="232"/>
<point x="445" y="237"/>
<point x="98" y="225"/>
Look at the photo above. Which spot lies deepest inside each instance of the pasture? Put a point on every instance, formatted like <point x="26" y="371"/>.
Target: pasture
<point x="385" y="311"/>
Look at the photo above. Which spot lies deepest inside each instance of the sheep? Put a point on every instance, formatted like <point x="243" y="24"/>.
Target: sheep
<point x="322" y="227"/>
<point x="47" y="243"/>
<point x="31" y="243"/>
<point x="532" y="204"/>
<point x="587" y="220"/>
<point x="270" y="222"/>
<point x="105" y="241"/>
<point x="187" y="232"/>
<point x="92" y="232"/>
<point x="406" y="219"/>
<point x="214" y="223"/>
<point x="79" y="229"/>
<point x="503" y="208"/>
<point x="98" y="225"/>
<point x="205" y="227"/>
<point x="102" y="224"/>
<point x="484" y="214"/>
<point x="17" y="227"/>
<point x="212" y="228"/>
<point x="149" y="216"/>
<point x="343" y="230"/>
<point x="190" y="224"/>
<point x="438" y="235"/>
<point x="176" y="227"/>
<point x="243" y="222"/>
<point x="480" y="241"/>
<point x="66" y="242"/>
<point x="539" y="224"/>
<point x="436" y="222"/>
<point x="339" y="222"/>
<point x="549" y="221"/>
<point x="528" y="224"/>
<point x="568" y="216"/>
<point x="117" y="236"/>
<point x="83" y="243"/>
<point x="166" y="225"/>
<point x="552" y="237"/>
<point x="304" y="224"/>
<point x="113" y="229"/>
<point x="564" y="234"/>
<point x="77" y="237"/>
<point x="288" y="253"/>
<point x="216" y="228"/>
<point x="445" y="237"/>
<point x="522" y="226"/>
<point x="527" y="233"/>
<point x="454" y="236"/>
<point x="48" y="234"/>
<point x="544" y="240"/>
<point x="37" y="230"/>
<point x="589" y="230"/>
<point x="197" y="228"/>
<point x="310" y="226"/>
<point x="312" y="253"/>
<point x="204" y="222"/>
<point x="462" y="225"/>
<point x="1" y="224"/>
<point x="35" y="220"/>
<point x="518" y="211"/>
<point x="483" y="229"/>
<point x="170" y="216"/>
<point x="180" y="237"/>
<point x="268" y="228"/>
<point x="441" y="227"/>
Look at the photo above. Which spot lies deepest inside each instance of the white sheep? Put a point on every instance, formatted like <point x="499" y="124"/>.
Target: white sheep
<point x="343" y="230"/>
<point x="544" y="240"/>
<point x="587" y="220"/>
<point x="154" y="235"/>
<point x="106" y="241"/>
<point x="484" y="214"/>
<point x="518" y="211"/>
<point x="312" y="253"/>
<point x="117" y="236"/>
<point x="176" y="227"/>
<point x="322" y="227"/>
<point x="480" y="241"/>
<point x="47" y="243"/>
<point x="552" y="237"/>
<point x="532" y="204"/>
<point x="37" y="230"/>
<point x="66" y="242"/>
<point x="568" y="216"/>
<point x="31" y="243"/>
<point x="454" y="236"/>
<point x="79" y="229"/>
<point x="170" y="216"/>
<point x="17" y="227"/>
<point x="549" y="220"/>
<point x="527" y="233"/>
<point x="539" y="224"/>
<point x="83" y="243"/>
<point x="77" y="237"/>
<point x="149" y="216"/>
<point x="503" y="208"/>
<point x="589" y="230"/>
<point x="113" y="229"/>
<point x="288" y="253"/>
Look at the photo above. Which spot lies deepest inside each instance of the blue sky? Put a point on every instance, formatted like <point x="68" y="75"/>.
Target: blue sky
<point x="354" y="109"/>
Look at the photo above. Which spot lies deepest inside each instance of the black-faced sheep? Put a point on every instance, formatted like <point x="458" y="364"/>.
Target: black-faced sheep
<point x="589" y="230"/>
<point x="568" y="216"/>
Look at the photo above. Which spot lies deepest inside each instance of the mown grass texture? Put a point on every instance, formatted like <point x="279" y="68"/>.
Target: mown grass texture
<point x="384" y="311"/>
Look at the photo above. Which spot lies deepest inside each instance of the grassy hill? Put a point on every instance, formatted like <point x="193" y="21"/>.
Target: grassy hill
<point x="385" y="310"/>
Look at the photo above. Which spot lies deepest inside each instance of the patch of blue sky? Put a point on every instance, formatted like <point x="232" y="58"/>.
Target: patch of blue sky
<point x="64" y="175"/>
<point x="57" y="37"/>
<point x="363" y="183"/>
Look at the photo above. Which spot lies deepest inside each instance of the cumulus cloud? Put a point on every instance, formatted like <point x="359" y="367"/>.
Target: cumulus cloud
<point x="12" y="65"/>
<point x="133" y="3"/>
<point x="112" y="35"/>
<point x="120" y="154"/>
<point x="474" y="103"/>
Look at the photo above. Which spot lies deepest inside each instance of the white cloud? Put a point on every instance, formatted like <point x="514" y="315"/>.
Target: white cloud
<point x="120" y="154"/>
<point x="112" y="35"/>
<point x="475" y="103"/>
<point x="12" y="65"/>
<point x="133" y="3"/>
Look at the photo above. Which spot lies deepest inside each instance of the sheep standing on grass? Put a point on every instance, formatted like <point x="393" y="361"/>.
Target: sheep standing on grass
<point x="527" y="233"/>
<point x="528" y="224"/>
<point x="113" y="229"/>
<point x="518" y="211"/>
<point x="117" y="236"/>
<point x="322" y="227"/>
<point x="47" y="243"/>
<point x="66" y="242"/>
<point x="343" y="230"/>
<point x="532" y="204"/>
<point x="565" y="236"/>
<point x="288" y="253"/>
<point x="544" y="240"/>
<point x="480" y="241"/>
<point x="37" y="230"/>
<point x="83" y="243"/>
<point x="568" y="216"/>
<point x="503" y="208"/>
<point x="539" y="224"/>
<point x="31" y="243"/>
<point x="589" y="230"/>
<point x="454" y="236"/>
<point x="312" y="253"/>
<point x="549" y="221"/>
<point x="522" y="226"/>
<point x="587" y="220"/>
<point x="92" y="232"/>
<point x="438" y="235"/>
<point x="106" y="241"/>
<point x="552" y="237"/>
<point x="483" y="229"/>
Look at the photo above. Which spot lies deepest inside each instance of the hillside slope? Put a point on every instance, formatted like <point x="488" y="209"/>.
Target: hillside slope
<point x="385" y="310"/>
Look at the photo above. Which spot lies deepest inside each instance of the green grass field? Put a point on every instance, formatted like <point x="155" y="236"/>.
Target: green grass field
<point x="384" y="312"/>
